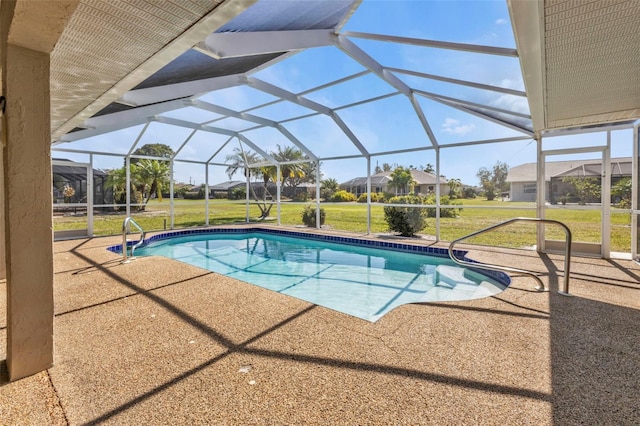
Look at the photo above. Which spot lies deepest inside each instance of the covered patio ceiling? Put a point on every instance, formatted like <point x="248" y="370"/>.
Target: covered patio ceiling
<point x="579" y="65"/>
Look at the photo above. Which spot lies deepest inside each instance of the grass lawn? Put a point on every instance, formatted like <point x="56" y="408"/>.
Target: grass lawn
<point x="476" y="214"/>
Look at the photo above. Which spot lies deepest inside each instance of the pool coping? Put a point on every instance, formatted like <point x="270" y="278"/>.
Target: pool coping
<point x="499" y="276"/>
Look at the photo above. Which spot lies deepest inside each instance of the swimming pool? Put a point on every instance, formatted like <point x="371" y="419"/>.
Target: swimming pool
<point x="363" y="278"/>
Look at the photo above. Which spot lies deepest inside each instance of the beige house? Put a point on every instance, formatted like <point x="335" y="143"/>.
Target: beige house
<point x="522" y="178"/>
<point x="425" y="183"/>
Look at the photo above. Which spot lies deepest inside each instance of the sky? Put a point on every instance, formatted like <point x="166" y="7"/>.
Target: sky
<point x="382" y="126"/>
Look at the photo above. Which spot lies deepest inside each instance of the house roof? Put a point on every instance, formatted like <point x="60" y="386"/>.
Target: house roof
<point x="225" y="186"/>
<point x="361" y="181"/>
<point x="527" y="172"/>
<point x="421" y="178"/>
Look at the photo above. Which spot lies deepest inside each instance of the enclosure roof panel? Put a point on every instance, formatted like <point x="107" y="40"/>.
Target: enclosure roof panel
<point x="122" y="64"/>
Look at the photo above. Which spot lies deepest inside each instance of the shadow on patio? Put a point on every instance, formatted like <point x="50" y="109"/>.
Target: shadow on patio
<point x="157" y="341"/>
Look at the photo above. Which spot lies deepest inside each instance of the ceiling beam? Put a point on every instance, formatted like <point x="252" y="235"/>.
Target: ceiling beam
<point x="436" y="96"/>
<point x="167" y="92"/>
<point x="527" y="21"/>
<point x="460" y="82"/>
<point x="237" y="44"/>
<point x="489" y="50"/>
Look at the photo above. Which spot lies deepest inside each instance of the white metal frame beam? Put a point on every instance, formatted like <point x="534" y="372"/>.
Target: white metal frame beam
<point x="436" y="96"/>
<point x="359" y="55"/>
<point x="236" y="44"/>
<point x="489" y="50"/>
<point x="188" y="89"/>
<point x="102" y="124"/>
<point x="487" y="117"/>
<point x="254" y="119"/>
<point x="307" y="103"/>
<point x="467" y="83"/>
<point x="210" y="129"/>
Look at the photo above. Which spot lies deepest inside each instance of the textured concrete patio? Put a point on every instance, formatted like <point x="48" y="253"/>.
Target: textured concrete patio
<point x="160" y="342"/>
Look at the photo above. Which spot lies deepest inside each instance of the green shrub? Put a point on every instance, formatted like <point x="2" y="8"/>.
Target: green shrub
<point x="309" y="216"/>
<point x="194" y="195"/>
<point x="375" y="197"/>
<point x="238" y="193"/>
<point x="342" y="196"/>
<point x="406" y="220"/>
<point x="301" y="196"/>
<point x="468" y="192"/>
<point x="444" y="201"/>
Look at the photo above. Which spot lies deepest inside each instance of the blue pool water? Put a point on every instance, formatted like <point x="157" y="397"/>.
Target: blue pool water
<point x="353" y="278"/>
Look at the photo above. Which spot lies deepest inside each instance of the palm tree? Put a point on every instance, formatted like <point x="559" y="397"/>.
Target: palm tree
<point x="242" y="159"/>
<point x="402" y="180"/>
<point x="153" y="176"/>
<point x="454" y="188"/>
<point x="117" y="181"/>
<point x="291" y="173"/>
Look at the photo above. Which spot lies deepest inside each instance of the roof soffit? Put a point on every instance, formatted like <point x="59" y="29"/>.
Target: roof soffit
<point x="110" y="47"/>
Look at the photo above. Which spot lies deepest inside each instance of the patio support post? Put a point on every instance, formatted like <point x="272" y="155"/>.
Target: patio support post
<point x="318" y="224"/>
<point x="90" y="193"/>
<point x="635" y="193"/>
<point x="246" y="198"/>
<point x="171" y="211"/>
<point x="541" y="191"/>
<point x="206" y="193"/>
<point x="606" y="200"/>
<point x="26" y="182"/>
<point x="368" y="194"/>
<point x="278" y="179"/>
<point x="437" y="149"/>
<point x="127" y="191"/>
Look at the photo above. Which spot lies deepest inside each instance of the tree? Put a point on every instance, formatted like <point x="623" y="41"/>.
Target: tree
<point x="378" y="169"/>
<point x="455" y="188"/>
<point x="292" y="173"/>
<point x="147" y="177"/>
<point x="494" y="180"/>
<point x="402" y="180"/>
<point x="241" y="159"/>
<point x="152" y="176"/>
<point x="429" y="168"/>
<point x="586" y="188"/>
<point x="328" y="187"/>
<point x="621" y="192"/>
<point x="153" y="150"/>
<point x="386" y="167"/>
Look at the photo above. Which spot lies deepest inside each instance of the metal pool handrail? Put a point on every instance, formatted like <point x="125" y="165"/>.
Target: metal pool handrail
<point x="567" y="252"/>
<point x="126" y="228"/>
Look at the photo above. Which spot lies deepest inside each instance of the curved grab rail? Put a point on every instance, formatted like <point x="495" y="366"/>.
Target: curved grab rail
<point x="126" y="228"/>
<point x="567" y="252"/>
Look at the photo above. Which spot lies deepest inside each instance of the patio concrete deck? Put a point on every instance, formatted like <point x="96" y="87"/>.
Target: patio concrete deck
<point x="157" y="341"/>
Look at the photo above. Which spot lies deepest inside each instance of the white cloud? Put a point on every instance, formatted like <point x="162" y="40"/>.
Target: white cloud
<point x="453" y="126"/>
<point x="501" y="21"/>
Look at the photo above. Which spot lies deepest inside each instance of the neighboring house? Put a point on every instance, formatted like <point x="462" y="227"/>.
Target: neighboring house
<point x="224" y="189"/>
<point x="75" y="177"/>
<point x="425" y="183"/>
<point x="522" y="178"/>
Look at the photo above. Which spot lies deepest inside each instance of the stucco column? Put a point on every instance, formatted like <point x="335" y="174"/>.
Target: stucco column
<point x="27" y="210"/>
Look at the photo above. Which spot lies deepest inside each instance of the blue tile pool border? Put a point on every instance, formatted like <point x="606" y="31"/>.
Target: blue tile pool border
<point x="501" y="277"/>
